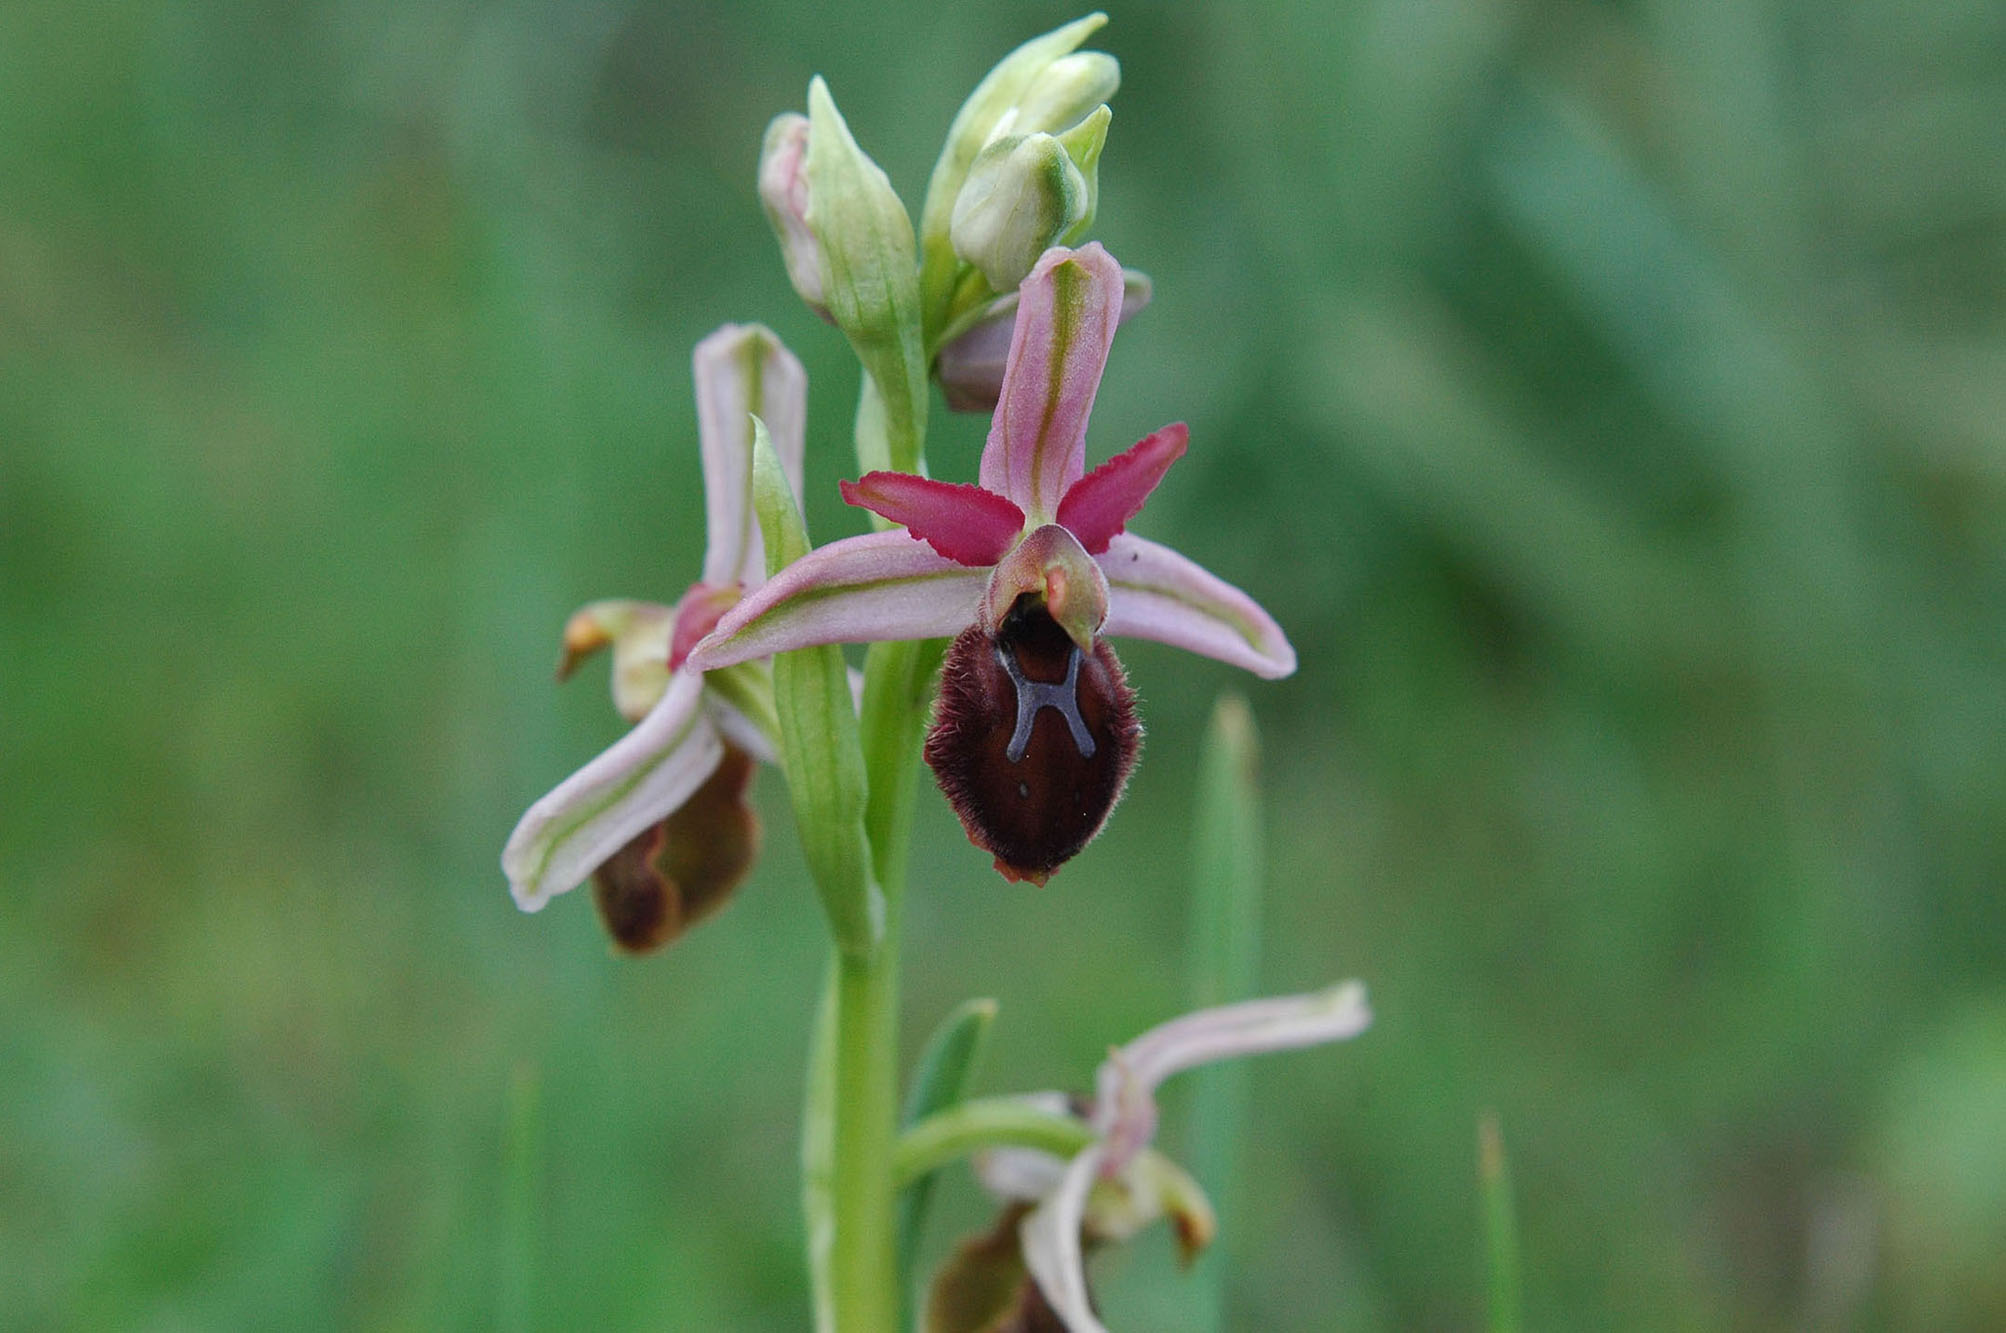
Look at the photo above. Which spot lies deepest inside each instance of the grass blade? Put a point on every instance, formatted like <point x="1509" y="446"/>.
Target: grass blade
<point x="1225" y="965"/>
<point x="1500" y="1226"/>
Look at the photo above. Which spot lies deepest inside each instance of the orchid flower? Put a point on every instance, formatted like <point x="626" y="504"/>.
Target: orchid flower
<point x="1118" y="1184"/>
<point x="658" y="821"/>
<point x="1029" y="569"/>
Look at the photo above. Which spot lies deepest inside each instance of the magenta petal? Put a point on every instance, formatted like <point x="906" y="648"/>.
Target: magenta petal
<point x="967" y="524"/>
<point x="1102" y="502"/>
<point x="1066" y="316"/>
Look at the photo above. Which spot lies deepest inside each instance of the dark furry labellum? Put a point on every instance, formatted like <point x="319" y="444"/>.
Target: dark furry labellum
<point x="680" y="871"/>
<point x="1032" y="740"/>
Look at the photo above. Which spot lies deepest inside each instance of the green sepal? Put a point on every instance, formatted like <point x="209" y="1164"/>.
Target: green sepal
<point x="946" y="1066"/>
<point x="1083" y="144"/>
<point x="871" y="283"/>
<point x="819" y="746"/>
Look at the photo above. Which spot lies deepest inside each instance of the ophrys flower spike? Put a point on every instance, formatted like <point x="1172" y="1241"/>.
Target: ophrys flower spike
<point x="658" y="821"/>
<point x="1035" y="732"/>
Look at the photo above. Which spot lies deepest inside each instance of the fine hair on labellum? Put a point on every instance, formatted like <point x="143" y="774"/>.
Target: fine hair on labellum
<point x="674" y="874"/>
<point x="1033" y="740"/>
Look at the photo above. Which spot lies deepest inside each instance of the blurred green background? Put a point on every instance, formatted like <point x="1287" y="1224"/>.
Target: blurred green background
<point x="1609" y="398"/>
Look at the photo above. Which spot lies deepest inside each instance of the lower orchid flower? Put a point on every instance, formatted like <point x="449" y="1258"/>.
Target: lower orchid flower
<point x="1035" y="730"/>
<point x="1031" y="1267"/>
<point x="659" y="822"/>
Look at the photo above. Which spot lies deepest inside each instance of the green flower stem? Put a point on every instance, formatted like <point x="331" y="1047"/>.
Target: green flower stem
<point x="818" y="1155"/>
<point x="860" y="1279"/>
<point x="898" y="682"/>
<point x="1225" y="967"/>
<point x="863" y="1271"/>
<point x="986" y="1122"/>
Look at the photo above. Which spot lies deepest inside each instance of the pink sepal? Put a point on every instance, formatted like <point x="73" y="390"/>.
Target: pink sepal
<point x="1067" y="311"/>
<point x="1155" y="593"/>
<point x="868" y="589"/>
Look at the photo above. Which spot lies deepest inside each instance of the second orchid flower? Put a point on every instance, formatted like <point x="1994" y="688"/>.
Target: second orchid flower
<point x="658" y="822"/>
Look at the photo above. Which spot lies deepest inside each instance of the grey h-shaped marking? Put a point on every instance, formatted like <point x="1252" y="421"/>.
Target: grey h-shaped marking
<point x="1033" y="695"/>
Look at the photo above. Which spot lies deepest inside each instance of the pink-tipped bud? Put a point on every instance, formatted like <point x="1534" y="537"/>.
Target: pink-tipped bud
<point x="783" y="190"/>
<point x="1033" y="740"/>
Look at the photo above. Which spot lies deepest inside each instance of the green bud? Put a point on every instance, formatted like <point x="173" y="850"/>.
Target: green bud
<point x="1022" y="195"/>
<point x="1028" y="193"/>
<point x="1040" y="87"/>
<point x="1063" y="94"/>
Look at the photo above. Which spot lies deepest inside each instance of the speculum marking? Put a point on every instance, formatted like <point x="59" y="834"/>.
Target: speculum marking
<point x="1034" y="695"/>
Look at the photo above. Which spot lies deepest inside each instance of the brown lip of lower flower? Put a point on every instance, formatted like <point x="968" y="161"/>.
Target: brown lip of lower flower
<point x="676" y="873"/>
<point x="1033" y="740"/>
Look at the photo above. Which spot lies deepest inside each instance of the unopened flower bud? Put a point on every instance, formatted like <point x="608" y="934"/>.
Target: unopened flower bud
<point x="1061" y="96"/>
<point x="1025" y="194"/>
<point x="783" y="189"/>
<point x="1045" y="86"/>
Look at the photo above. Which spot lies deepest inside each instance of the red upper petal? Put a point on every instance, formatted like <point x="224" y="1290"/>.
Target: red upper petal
<point x="967" y="524"/>
<point x="1097" y="505"/>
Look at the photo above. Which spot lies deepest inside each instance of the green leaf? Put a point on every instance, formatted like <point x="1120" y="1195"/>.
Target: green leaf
<point x="1225" y="964"/>
<point x="872" y="278"/>
<point x="940" y="1080"/>
<point x="819" y="747"/>
<point x="1084" y="144"/>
